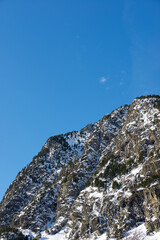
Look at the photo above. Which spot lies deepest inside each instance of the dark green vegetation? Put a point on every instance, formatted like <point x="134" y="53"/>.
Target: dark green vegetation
<point x="42" y="153"/>
<point x="115" y="169"/>
<point x="99" y="183"/>
<point x="158" y="104"/>
<point x="13" y="234"/>
<point x="148" y="181"/>
<point x="116" y="185"/>
<point x="148" y="96"/>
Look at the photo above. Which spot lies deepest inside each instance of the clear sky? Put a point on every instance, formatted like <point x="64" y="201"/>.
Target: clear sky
<point x="64" y="64"/>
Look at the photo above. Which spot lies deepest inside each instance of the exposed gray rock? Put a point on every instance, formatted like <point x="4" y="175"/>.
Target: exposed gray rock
<point x="104" y="178"/>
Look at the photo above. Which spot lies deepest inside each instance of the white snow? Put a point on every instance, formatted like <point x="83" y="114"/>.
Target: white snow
<point x="58" y="236"/>
<point x="96" y="194"/>
<point x="127" y="194"/>
<point x="136" y="170"/>
<point x="27" y="232"/>
<point x="153" y="219"/>
<point x="102" y="237"/>
<point x="76" y="138"/>
<point x="139" y="233"/>
<point x="80" y="208"/>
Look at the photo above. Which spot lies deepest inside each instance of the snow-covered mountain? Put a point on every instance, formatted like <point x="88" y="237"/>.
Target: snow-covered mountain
<point x="98" y="183"/>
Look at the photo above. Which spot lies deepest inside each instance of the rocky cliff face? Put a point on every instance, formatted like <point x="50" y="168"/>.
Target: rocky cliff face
<point x="103" y="179"/>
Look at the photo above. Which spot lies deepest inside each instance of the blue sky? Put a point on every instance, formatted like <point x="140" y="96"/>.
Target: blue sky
<point x="64" y="64"/>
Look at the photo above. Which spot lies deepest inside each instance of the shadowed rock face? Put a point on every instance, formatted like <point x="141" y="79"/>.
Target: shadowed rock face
<point x="104" y="178"/>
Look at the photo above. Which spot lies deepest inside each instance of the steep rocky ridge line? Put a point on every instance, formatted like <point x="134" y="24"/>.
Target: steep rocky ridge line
<point x="102" y="179"/>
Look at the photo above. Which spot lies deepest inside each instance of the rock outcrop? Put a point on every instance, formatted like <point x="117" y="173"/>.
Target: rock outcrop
<point x="102" y="179"/>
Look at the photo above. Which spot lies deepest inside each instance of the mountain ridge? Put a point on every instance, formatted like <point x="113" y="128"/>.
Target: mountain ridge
<point x="93" y="181"/>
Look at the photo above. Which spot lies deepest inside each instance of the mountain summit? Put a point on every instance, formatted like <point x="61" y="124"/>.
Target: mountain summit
<point x="101" y="181"/>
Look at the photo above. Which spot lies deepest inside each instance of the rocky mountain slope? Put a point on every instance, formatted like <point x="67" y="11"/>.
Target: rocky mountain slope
<point x="104" y="179"/>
